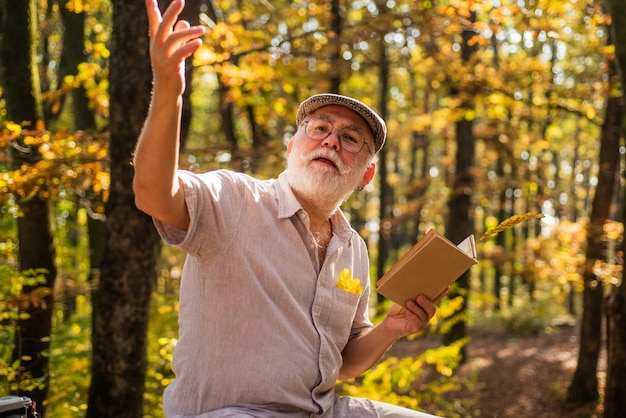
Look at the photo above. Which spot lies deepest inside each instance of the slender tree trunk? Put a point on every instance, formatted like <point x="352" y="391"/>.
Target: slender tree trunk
<point x="226" y="110"/>
<point x="190" y="13"/>
<point x="336" y="26"/>
<point x="386" y="192"/>
<point x="584" y="385"/>
<point x="500" y="265"/>
<point x="20" y="81"/>
<point x="121" y="303"/>
<point x="460" y="223"/>
<point x="72" y="55"/>
<point x="615" y="390"/>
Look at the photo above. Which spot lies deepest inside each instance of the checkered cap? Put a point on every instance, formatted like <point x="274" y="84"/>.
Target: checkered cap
<point x="375" y="122"/>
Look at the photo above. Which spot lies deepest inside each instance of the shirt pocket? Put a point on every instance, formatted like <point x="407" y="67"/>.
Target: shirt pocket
<point x="341" y="315"/>
<point x="347" y="297"/>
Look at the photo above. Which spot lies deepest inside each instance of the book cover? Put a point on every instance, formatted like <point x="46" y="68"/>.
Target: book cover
<point x="430" y="266"/>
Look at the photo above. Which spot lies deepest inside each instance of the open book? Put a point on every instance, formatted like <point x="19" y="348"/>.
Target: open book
<point x="428" y="268"/>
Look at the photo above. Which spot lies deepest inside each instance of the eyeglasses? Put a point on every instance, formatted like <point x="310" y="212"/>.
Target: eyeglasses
<point x="350" y="139"/>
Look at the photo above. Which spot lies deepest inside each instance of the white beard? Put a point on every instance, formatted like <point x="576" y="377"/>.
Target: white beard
<point x="320" y="185"/>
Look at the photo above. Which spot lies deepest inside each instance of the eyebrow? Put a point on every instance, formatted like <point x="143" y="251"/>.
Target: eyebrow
<point x="327" y="118"/>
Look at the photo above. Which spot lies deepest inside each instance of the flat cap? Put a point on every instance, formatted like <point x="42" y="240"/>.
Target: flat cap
<point x="375" y="122"/>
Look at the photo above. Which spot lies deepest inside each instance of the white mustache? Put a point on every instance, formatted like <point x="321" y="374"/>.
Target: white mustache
<point x="329" y="155"/>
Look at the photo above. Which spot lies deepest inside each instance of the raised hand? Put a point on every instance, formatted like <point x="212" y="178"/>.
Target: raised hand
<point x="171" y="42"/>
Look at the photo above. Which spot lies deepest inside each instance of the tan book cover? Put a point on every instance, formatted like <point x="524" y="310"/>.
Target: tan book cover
<point x="430" y="266"/>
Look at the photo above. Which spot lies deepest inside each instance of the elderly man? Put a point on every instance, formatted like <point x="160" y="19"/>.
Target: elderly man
<point x="275" y="288"/>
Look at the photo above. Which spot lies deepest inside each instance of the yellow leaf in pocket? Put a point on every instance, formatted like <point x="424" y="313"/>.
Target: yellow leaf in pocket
<point x="348" y="283"/>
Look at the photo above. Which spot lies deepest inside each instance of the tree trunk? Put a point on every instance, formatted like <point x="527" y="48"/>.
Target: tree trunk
<point x="36" y="250"/>
<point x="584" y="386"/>
<point x="72" y="55"/>
<point x="499" y="265"/>
<point x="615" y="390"/>
<point x="121" y="302"/>
<point x="190" y="13"/>
<point x="336" y="26"/>
<point x="386" y="192"/>
<point x="460" y="223"/>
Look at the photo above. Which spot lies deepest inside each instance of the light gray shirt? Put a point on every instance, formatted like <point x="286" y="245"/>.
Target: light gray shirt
<point x="261" y="326"/>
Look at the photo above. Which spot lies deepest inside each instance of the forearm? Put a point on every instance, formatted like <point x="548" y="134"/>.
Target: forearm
<point x="156" y="186"/>
<point x="364" y="350"/>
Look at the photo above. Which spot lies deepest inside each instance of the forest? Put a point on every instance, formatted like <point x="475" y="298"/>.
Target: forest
<point x="505" y="120"/>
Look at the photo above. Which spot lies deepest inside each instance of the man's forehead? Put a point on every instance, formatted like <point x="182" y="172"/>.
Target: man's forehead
<point x="335" y="112"/>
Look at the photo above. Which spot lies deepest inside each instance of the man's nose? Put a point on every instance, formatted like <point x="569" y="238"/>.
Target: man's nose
<point x="333" y="140"/>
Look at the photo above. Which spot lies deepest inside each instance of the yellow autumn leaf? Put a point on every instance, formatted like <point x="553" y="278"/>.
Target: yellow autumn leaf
<point x="348" y="283"/>
<point x="14" y="128"/>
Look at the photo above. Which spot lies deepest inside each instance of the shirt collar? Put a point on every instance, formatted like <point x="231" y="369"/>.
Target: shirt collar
<point x="288" y="205"/>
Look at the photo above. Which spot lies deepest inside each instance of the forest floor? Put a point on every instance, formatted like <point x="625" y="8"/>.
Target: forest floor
<point x="516" y="376"/>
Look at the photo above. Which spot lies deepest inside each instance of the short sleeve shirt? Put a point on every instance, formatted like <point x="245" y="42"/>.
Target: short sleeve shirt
<point x="261" y="325"/>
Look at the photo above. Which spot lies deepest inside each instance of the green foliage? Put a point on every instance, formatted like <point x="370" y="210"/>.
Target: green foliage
<point x="13" y="301"/>
<point x="412" y="382"/>
<point x="70" y="350"/>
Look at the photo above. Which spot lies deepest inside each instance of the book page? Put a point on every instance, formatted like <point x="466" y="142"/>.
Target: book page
<point x="468" y="246"/>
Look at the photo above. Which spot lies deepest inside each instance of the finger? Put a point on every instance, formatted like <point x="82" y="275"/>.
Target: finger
<point x="422" y="307"/>
<point x="182" y="24"/>
<point x="187" y="50"/>
<point x="182" y="41"/>
<point x="154" y="17"/>
<point x="168" y="20"/>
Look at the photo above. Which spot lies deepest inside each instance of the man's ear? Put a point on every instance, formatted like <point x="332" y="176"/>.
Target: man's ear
<point x="369" y="174"/>
<point x="290" y="145"/>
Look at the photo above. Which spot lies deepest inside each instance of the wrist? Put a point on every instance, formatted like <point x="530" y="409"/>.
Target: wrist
<point x="167" y="88"/>
<point x="388" y="332"/>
